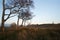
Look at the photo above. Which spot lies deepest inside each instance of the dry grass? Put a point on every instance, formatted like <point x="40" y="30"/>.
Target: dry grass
<point x="31" y="33"/>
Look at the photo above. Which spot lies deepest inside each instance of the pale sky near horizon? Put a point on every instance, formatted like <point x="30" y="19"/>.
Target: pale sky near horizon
<point x="45" y="11"/>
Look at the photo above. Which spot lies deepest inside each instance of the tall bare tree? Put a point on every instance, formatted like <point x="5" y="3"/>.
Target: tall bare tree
<point x="2" y="24"/>
<point x="12" y="4"/>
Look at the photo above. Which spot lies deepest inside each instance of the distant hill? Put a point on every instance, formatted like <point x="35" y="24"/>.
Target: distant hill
<point x="55" y="26"/>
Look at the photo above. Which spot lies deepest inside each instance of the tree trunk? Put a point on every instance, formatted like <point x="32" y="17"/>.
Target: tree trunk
<point x="2" y="26"/>
<point x="3" y="13"/>
<point x="18" y="22"/>
<point x="22" y="22"/>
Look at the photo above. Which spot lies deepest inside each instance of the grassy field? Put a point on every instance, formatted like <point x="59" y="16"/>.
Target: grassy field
<point x="31" y="33"/>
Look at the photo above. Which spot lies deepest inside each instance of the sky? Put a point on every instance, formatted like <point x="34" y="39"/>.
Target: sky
<point x="45" y="11"/>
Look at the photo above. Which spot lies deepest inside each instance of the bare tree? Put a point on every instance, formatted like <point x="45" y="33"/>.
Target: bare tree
<point x="10" y="5"/>
<point x="26" y="4"/>
<point x="2" y="24"/>
<point x="3" y="14"/>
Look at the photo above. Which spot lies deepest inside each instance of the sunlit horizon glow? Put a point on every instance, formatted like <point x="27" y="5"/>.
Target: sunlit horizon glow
<point x="45" y="11"/>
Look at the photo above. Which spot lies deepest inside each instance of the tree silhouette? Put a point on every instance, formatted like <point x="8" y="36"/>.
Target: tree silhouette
<point x="26" y="4"/>
<point x="9" y="5"/>
<point x="12" y="5"/>
<point x="5" y="7"/>
<point x="26" y="16"/>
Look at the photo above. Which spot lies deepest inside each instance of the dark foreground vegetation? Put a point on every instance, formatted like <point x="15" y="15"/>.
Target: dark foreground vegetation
<point x="32" y="33"/>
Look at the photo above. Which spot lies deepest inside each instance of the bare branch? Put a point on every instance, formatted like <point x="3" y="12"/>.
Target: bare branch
<point x="12" y="16"/>
<point x="8" y="16"/>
